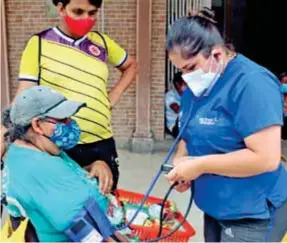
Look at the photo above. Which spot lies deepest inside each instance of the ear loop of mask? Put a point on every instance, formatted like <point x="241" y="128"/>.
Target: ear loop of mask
<point x="220" y="64"/>
<point x="218" y="72"/>
<point x="211" y="62"/>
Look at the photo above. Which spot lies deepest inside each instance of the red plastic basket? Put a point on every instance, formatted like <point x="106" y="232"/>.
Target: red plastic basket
<point x="149" y="233"/>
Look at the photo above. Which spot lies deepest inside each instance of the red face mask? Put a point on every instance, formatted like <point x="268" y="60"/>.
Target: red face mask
<point x="79" y="27"/>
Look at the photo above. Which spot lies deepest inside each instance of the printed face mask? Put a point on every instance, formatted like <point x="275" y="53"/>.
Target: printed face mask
<point x="66" y="135"/>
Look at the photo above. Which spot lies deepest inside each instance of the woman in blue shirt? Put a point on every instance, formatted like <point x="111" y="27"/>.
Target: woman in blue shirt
<point x="231" y="146"/>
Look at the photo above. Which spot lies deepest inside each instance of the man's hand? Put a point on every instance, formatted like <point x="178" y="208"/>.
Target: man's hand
<point x="103" y="172"/>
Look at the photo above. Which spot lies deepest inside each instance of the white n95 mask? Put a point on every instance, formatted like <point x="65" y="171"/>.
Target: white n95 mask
<point x="199" y="81"/>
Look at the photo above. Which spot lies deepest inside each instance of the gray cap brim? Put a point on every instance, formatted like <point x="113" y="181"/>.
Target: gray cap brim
<point x="65" y="109"/>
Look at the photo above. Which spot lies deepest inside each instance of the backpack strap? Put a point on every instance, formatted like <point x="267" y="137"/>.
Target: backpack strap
<point x="39" y="56"/>
<point x="104" y="41"/>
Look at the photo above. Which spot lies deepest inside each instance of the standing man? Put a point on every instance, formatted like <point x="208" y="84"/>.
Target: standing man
<point x="73" y="60"/>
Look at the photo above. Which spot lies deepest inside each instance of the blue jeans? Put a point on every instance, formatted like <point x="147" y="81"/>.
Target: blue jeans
<point x="247" y="230"/>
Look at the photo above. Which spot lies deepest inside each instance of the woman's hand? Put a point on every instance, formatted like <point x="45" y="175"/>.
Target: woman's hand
<point x="183" y="186"/>
<point x="102" y="171"/>
<point x="185" y="169"/>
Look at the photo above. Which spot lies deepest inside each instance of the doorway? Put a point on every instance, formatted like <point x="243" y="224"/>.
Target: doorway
<point x="256" y="28"/>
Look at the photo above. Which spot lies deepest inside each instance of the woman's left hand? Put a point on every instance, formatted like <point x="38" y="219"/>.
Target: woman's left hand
<point x="185" y="169"/>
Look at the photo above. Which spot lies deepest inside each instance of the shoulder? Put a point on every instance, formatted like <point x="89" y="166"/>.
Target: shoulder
<point x="45" y="32"/>
<point x="245" y="74"/>
<point x="98" y="38"/>
<point x="33" y="41"/>
<point x="246" y="69"/>
<point x="258" y="83"/>
<point x="94" y="36"/>
<point x="99" y="35"/>
<point x="103" y="39"/>
<point x="24" y="159"/>
<point x="36" y="36"/>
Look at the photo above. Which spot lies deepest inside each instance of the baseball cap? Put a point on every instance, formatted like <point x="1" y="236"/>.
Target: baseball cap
<point x="41" y="101"/>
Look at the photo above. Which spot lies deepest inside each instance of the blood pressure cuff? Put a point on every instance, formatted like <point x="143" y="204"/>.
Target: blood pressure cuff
<point x="91" y="224"/>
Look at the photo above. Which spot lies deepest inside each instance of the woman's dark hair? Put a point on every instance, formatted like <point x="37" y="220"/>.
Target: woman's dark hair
<point x="194" y="33"/>
<point x="96" y="3"/>
<point x="13" y="131"/>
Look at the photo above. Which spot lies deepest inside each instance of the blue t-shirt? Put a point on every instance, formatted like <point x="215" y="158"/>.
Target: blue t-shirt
<point x="245" y="99"/>
<point x="51" y="189"/>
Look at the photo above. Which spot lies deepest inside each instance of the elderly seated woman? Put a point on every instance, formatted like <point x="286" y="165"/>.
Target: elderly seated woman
<point x="50" y="187"/>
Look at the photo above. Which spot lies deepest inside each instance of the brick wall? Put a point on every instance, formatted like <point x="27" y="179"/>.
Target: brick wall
<point x="25" y="17"/>
<point x="120" y="24"/>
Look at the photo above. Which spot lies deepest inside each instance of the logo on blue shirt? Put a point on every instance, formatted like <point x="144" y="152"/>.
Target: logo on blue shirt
<point x="207" y="121"/>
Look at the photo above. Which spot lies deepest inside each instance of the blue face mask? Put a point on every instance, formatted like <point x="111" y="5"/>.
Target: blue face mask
<point x="66" y="135"/>
<point x="284" y="88"/>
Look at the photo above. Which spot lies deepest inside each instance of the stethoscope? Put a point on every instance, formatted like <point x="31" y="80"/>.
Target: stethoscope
<point x="164" y="168"/>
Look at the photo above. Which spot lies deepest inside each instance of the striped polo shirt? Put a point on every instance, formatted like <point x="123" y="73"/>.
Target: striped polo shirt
<point x="79" y="70"/>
